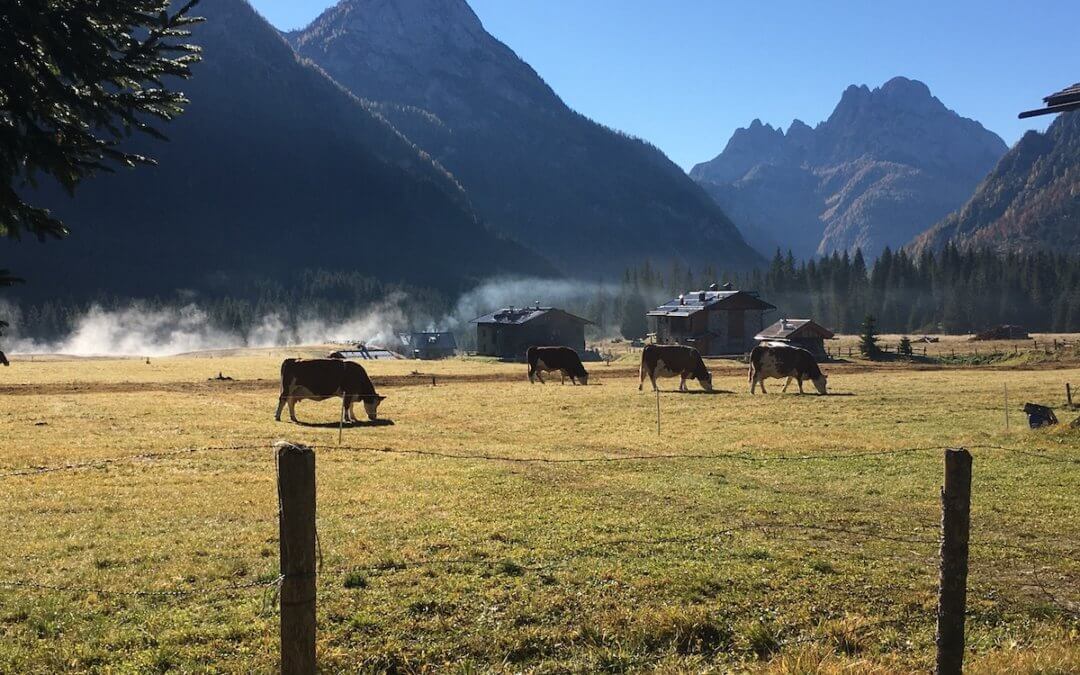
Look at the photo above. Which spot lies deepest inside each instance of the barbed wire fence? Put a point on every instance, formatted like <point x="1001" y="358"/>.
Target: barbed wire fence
<point x="301" y="557"/>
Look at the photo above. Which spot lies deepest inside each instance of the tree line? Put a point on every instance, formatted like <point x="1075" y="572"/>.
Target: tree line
<point x="948" y="291"/>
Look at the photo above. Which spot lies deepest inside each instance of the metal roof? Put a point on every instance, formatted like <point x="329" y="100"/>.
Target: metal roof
<point x="429" y="340"/>
<point x="794" y="328"/>
<point x="1060" y="101"/>
<point x="696" y="301"/>
<point x="519" y="315"/>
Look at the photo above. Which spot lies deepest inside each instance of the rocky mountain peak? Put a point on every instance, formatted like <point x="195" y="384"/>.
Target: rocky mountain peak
<point x="887" y="163"/>
<point x="404" y="23"/>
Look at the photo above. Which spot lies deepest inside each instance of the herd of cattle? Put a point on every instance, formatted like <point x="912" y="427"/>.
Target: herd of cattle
<point x="320" y="379"/>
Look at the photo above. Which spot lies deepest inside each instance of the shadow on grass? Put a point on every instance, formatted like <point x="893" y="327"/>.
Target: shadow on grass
<point x="694" y="392"/>
<point x="347" y="425"/>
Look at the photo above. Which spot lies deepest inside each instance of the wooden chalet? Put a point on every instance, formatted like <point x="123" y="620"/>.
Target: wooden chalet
<point x="509" y="332"/>
<point x="803" y="333"/>
<point x="718" y="322"/>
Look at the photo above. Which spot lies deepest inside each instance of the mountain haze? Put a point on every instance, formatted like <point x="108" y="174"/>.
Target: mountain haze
<point x="1029" y="202"/>
<point x="591" y="199"/>
<point x="884" y="166"/>
<point x="274" y="168"/>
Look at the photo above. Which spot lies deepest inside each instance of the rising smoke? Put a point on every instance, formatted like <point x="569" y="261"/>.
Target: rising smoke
<point x="139" y="330"/>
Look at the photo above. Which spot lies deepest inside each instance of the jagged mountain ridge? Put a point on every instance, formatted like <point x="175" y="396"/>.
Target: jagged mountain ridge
<point x="553" y="179"/>
<point x="1029" y="202"/>
<point x="884" y="166"/>
<point x="273" y="168"/>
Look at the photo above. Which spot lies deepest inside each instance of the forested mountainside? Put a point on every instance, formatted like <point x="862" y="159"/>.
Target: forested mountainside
<point x="589" y="198"/>
<point x="1029" y="202"/>
<point x="273" y="168"/>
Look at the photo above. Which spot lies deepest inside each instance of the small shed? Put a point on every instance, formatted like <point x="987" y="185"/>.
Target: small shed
<point x="509" y="332"/>
<point x="717" y="322"/>
<point x="429" y="345"/>
<point x="804" y="333"/>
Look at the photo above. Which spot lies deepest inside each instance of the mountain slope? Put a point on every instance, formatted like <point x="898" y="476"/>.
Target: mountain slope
<point x="591" y="199"/>
<point x="885" y="165"/>
<point x="273" y="168"/>
<point x="1029" y="202"/>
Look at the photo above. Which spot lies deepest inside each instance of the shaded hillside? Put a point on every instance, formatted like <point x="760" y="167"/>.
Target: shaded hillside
<point x="273" y="168"/>
<point x="591" y="199"/>
<point x="885" y="165"/>
<point x="1029" y="202"/>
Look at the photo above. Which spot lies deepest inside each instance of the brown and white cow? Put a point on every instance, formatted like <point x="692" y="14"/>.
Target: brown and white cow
<point x="671" y="360"/>
<point x="562" y="359"/>
<point x="780" y="361"/>
<point x="320" y="379"/>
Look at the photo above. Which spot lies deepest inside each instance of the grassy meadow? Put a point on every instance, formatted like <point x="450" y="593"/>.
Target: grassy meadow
<point x="778" y="533"/>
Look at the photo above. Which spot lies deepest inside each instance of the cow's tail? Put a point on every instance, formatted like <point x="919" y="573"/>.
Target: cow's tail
<point x="284" y="368"/>
<point x="642" y="369"/>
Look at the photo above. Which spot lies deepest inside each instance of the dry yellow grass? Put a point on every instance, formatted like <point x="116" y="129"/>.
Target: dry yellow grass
<point x="709" y="559"/>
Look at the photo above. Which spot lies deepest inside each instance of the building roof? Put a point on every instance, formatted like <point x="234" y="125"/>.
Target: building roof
<point x="794" y="329"/>
<point x="373" y="354"/>
<point x="429" y="340"/>
<point x="1060" y="101"/>
<point x="696" y="301"/>
<point x="511" y="316"/>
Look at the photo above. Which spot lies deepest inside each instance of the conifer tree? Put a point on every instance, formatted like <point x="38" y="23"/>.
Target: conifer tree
<point x="868" y="338"/>
<point x="76" y="78"/>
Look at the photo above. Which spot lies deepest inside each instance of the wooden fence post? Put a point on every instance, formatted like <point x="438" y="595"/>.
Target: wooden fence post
<point x="952" y="584"/>
<point x="1068" y="394"/>
<point x="296" y="497"/>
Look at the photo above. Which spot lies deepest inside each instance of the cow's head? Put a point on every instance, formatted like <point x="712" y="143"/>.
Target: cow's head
<point x="706" y="380"/>
<point x="583" y="377"/>
<point x="371" y="406"/>
<point x="819" y="383"/>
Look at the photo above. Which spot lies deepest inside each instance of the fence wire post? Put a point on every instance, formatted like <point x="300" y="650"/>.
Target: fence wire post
<point x="296" y="496"/>
<point x="952" y="584"/>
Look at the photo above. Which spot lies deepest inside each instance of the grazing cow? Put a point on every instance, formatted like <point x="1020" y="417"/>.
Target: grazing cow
<point x="780" y="361"/>
<point x="562" y="359"/>
<point x="320" y="379"/>
<point x="671" y="360"/>
<point x="3" y="360"/>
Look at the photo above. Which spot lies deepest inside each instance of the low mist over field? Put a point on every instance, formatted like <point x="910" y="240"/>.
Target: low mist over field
<point x="140" y="329"/>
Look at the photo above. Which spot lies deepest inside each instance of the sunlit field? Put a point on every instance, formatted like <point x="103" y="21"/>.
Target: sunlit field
<point x="498" y="525"/>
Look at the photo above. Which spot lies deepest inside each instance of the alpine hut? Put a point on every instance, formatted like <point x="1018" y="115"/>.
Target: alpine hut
<point x="804" y="333"/>
<point x="507" y="333"/>
<point x="717" y="322"/>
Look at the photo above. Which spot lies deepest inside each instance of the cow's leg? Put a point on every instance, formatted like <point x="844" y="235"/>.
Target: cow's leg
<point x="562" y="377"/>
<point x="532" y="374"/>
<point x="761" y="383"/>
<point x="786" y="385"/>
<point x="682" y="383"/>
<point x="280" y="406"/>
<point x="347" y="403"/>
<point x="292" y="409"/>
<point x="652" y="376"/>
<point x="641" y="379"/>
<point x="753" y="380"/>
<point x="540" y="376"/>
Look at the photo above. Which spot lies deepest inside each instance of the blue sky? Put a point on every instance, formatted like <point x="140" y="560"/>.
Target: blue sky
<point x="685" y="74"/>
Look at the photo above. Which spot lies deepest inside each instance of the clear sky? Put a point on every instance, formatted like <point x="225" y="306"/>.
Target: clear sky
<point x="684" y="74"/>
